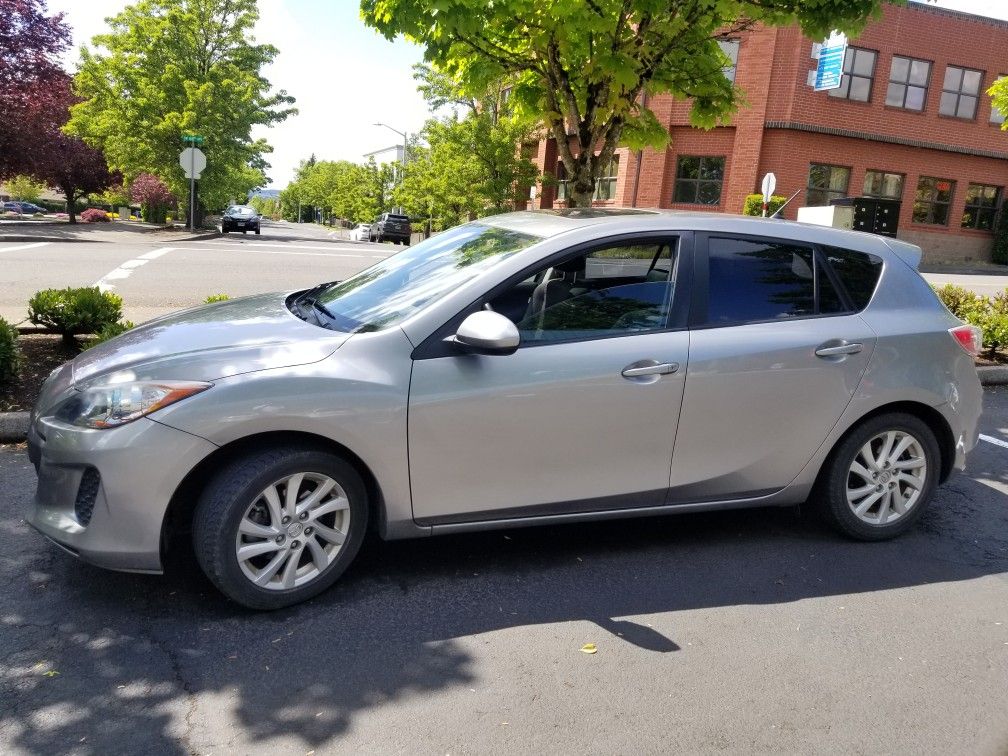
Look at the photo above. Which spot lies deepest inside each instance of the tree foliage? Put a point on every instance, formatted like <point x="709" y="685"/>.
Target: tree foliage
<point x="351" y="191"/>
<point x="168" y="68"/>
<point x="30" y="45"/>
<point x="25" y="188"/>
<point x="581" y="67"/>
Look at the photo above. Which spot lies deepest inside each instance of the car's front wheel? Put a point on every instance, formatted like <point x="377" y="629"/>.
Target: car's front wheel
<point x="280" y="525"/>
<point x="879" y="480"/>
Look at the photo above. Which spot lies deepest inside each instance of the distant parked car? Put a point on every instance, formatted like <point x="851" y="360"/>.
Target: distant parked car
<point x="361" y="232"/>
<point x="391" y="227"/>
<point x="25" y="208"/>
<point x="240" y="218"/>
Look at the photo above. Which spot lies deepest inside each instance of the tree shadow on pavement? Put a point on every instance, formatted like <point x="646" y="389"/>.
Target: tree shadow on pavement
<point x="141" y="663"/>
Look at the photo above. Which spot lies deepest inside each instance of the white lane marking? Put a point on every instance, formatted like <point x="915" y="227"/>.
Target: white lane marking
<point x="995" y="441"/>
<point x="124" y="270"/>
<point x="19" y="247"/>
<point x="280" y="245"/>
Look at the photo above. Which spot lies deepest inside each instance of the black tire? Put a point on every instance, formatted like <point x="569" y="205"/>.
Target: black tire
<point x="223" y="504"/>
<point x="830" y="493"/>
<point x="257" y="232"/>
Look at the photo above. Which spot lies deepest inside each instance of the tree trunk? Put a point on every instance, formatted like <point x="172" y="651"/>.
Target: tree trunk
<point x="71" y="205"/>
<point x="581" y="185"/>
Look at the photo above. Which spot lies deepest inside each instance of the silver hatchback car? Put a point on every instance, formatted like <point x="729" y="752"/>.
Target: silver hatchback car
<point x="526" y="368"/>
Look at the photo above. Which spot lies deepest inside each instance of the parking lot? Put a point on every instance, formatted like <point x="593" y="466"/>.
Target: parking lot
<point x="744" y="631"/>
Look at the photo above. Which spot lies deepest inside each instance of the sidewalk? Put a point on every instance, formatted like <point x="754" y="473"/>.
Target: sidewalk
<point x="115" y="231"/>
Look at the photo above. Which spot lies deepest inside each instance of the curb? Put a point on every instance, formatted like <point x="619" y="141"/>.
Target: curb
<point x="14" y="425"/>
<point x="38" y="238"/>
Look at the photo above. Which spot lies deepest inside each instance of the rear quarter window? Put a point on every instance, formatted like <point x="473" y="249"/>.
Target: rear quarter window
<point x="859" y="272"/>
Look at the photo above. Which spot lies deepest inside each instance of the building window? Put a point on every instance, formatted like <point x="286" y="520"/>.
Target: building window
<point x="858" y="74"/>
<point x="934" y="197"/>
<point x="883" y="185"/>
<point x="605" y="185"/>
<point x="730" y="47"/>
<point x="699" y="180"/>
<point x="825" y="183"/>
<point x="981" y="206"/>
<point x="960" y="92"/>
<point x="908" y="83"/>
<point x="996" y="115"/>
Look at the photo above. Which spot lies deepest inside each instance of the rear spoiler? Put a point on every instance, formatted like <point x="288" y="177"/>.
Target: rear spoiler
<point x="909" y="253"/>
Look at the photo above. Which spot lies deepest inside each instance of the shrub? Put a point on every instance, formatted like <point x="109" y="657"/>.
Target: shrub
<point x="10" y="354"/>
<point x="109" y="331"/>
<point x="94" y="215"/>
<point x="754" y="204"/>
<point x="153" y="196"/>
<point x="216" y="298"/>
<point x="962" y="303"/>
<point x="72" y="311"/>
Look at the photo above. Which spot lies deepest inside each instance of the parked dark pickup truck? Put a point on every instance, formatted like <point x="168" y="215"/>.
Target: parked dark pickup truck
<point x="391" y="227"/>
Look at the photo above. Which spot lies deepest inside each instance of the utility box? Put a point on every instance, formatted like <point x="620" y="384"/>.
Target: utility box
<point x="834" y="216"/>
<point x="874" y="215"/>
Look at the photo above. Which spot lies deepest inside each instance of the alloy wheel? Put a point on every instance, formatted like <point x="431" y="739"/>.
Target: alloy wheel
<point x="292" y="531"/>
<point x="886" y="477"/>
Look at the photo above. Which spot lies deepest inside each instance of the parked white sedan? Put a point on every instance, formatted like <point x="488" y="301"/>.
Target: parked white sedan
<point x="360" y="232"/>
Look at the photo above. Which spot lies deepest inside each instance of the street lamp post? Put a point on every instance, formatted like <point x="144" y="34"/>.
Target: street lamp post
<point x="405" y="144"/>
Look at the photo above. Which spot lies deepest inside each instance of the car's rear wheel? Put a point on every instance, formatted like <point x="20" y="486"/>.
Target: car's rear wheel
<point x="880" y="479"/>
<point x="280" y="525"/>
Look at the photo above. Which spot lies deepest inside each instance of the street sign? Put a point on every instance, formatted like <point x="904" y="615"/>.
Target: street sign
<point x="769" y="184"/>
<point x="192" y="139"/>
<point x="193" y="161"/>
<point x="829" y="71"/>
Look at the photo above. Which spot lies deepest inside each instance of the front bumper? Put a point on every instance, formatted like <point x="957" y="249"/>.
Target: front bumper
<point x="140" y="466"/>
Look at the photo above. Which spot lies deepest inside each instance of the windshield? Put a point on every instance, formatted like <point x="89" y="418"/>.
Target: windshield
<point x="240" y="211"/>
<point x="402" y="284"/>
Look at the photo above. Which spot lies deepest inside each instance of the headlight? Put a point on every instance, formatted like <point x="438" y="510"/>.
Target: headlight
<point x="117" y="404"/>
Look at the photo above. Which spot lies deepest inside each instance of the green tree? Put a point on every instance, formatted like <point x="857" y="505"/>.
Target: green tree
<point x="581" y="67"/>
<point x="25" y="188"/>
<point x="346" y="190"/>
<point x="168" y="68"/>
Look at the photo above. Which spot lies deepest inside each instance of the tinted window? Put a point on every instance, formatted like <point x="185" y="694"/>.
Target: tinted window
<point x="858" y="272"/>
<point x="753" y="280"/>
<point x="830" y="301"/>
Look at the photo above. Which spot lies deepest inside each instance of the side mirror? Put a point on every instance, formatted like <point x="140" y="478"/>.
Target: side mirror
<point x="487" y="332"/>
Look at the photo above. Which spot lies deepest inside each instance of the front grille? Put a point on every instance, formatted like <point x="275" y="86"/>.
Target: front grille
<point x="87" y="492"/>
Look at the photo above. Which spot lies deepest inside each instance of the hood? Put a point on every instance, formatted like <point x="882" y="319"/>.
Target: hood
<point x="210" y="342"/>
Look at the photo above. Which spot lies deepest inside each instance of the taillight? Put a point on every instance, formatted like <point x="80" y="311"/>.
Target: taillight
<point x="969" y="337"/>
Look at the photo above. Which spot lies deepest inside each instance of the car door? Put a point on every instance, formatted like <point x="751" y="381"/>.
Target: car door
<point x="582" y="417"/>
<point x="776" y="353"/>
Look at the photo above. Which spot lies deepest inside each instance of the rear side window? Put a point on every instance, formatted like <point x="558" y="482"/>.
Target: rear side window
<point x="759" y="280"/>
<point x="858" y="272"/>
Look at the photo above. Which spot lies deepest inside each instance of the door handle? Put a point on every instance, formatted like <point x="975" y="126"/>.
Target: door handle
<point x="636" y="370"/>
<point x="839" y="349"/>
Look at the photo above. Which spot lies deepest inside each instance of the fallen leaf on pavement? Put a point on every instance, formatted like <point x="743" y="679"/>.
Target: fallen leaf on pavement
<point x="589" y="648"/>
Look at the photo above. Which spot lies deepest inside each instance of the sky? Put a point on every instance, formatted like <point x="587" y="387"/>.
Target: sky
<point x="344" y="75"/>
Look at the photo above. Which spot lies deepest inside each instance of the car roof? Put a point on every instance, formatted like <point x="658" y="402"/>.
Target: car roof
<point x="547" y="223"/>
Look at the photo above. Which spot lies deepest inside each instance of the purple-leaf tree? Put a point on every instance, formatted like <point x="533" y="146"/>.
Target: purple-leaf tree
<point x="153" y="196"/>
<point x="30" y="78"/>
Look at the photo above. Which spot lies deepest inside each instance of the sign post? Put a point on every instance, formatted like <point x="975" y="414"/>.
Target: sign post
<point x="829" y="71"/>
<point x="769" y="184"/>
<point x="193" y="161"/>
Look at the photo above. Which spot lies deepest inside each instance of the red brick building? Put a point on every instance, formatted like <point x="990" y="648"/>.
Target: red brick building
<point x="911" y="121"/>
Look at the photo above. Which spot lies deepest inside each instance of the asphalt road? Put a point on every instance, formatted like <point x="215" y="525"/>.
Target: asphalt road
<point x="734" y="632"/>
<point x="157" y="277"/>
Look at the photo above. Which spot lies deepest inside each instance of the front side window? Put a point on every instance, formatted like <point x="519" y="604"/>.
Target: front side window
<point x="858" y="74"/>
<point x="934" y="197"/>
<point x="398" y="286"/>
<point x="825" y="183"/>
<point x="960" y="92"/>
<point x="753" y="281"/>
<point x="883" y="185"/>
<point x="730" y="48"/>
<point x="908" y="83"/>
<point x="699" y="180"/>
<point x="618" y="289"/>
<point x="981" y="206"/>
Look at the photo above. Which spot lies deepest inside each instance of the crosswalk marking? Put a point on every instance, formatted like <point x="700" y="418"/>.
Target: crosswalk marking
<point x="126" y="269"/>
<point x="19" y="247"/>
<point x="995" y="441"/>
